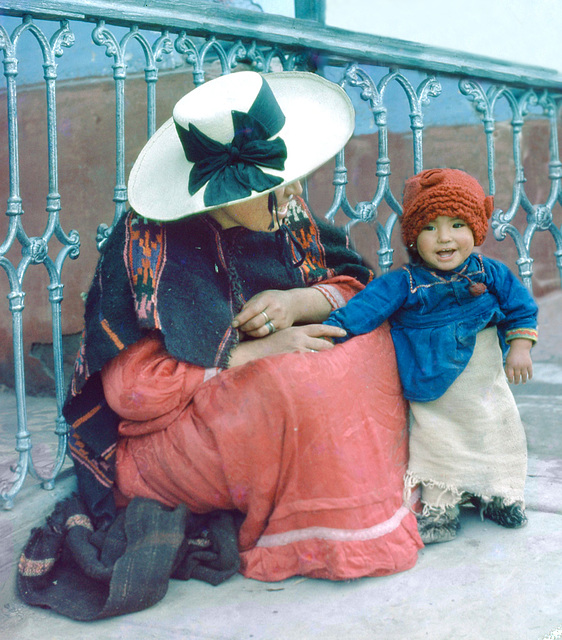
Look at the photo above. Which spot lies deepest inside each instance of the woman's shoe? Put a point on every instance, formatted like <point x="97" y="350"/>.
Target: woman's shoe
<point x="437" y="525"/>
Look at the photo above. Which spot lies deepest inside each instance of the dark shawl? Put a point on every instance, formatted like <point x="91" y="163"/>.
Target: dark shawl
<point x="187" y="279"/>
<point x="87" y="574"/>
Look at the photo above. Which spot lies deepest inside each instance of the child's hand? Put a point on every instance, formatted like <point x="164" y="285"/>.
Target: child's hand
<point x="518" y="363"/>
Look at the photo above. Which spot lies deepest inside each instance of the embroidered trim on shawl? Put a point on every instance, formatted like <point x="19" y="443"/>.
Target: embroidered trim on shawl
<point x="145" y="257"/>
<point x="229" y="337"/>
<point x="306" y="232"/>
<point x="86" y="416"/>
<point x="112" y="335"/>
<point x="81" y="455"/>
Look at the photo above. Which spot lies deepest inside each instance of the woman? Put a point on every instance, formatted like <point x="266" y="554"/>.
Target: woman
<point x="205" y="375"/>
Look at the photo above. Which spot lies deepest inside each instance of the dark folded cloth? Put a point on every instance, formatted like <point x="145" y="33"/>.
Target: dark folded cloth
<point x="88" y="574"/>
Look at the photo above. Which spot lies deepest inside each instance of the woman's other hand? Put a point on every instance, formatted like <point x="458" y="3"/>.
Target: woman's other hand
<point x="274" y="310"/>
<point x="311" y="337"/>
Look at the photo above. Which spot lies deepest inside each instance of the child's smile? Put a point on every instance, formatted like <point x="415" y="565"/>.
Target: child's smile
<point x="445" y="243"/>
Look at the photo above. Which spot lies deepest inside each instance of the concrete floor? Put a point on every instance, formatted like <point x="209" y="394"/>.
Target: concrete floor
<point x="488" y="584"/>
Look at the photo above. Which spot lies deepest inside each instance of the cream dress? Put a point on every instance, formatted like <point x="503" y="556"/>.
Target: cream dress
<point x="470" y="440"/>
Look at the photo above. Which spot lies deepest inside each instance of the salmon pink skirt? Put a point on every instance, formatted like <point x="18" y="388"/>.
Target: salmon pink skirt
<point x="311" y="447"/>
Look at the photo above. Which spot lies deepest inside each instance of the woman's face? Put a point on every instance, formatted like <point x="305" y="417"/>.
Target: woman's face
<point x="254" y="214"/>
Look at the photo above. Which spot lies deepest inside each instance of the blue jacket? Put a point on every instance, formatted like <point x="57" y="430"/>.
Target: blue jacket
<point x="434" y="318"/>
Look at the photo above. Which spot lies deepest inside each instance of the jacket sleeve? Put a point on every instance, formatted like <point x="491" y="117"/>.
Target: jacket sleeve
<point x="515" y="302"/>
<point x="371" y="307"/>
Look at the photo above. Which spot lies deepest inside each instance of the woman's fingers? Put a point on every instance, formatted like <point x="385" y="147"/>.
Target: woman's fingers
<point x="305" y="338"/>
<point x="260" y="325"/>
<point x="265" y="313"/>
<point x="311" y="337"/>
<point x="248" y="315"/>
<point x="325" y="331"/>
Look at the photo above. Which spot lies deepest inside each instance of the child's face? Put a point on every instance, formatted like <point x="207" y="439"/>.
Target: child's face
<point x="445" y="243"/>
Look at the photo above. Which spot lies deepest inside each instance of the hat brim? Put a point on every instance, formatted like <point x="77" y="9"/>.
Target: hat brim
<point x="319" y="121"/>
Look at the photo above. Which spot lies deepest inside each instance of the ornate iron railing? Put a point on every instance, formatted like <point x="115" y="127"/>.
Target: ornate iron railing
<point x="202" y="35"/>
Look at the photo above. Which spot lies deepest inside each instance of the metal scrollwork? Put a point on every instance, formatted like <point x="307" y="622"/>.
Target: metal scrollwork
<point x="365" y="212"/>
<point x="37" y="250"/>
<point x="204" y="53"/>
<point x="539" y="215"/>
<point x="236" y="54"/>
<point x="117" y="49"/>
<point x="162" y="46"/>
<point x="34" y="250"/>
<point x="374" y="94"/>
<point x="104" y="38"/>
<point x="185" y="46"/>
<point x="64" y="37"/>
<point x="102" y="235"/>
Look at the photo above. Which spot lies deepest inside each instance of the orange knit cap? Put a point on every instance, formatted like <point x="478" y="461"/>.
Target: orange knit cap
<point x="444" y="192"/>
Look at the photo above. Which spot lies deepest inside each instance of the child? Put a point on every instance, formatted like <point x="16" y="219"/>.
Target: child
<point x="447" y="309"/>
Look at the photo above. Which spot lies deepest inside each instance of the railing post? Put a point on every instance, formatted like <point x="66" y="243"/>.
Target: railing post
<point x="311" y="10"/>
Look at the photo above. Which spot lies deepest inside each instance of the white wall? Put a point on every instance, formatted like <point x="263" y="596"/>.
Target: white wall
<point x="519" y="31"/>
<point x="279" y="7"/>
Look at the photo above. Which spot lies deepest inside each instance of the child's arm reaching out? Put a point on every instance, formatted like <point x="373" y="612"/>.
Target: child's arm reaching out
<point x="518" y="363"/>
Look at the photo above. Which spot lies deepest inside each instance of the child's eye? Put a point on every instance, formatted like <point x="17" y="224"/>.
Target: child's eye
<point x="459" y="225"/>
<point x="428" y="227"/>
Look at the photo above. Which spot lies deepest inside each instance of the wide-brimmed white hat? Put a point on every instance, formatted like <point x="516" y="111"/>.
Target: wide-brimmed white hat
<point x="287" y="124"/>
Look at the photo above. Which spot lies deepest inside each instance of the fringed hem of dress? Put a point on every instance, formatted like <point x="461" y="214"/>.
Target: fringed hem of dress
<point x="442" y="497"/>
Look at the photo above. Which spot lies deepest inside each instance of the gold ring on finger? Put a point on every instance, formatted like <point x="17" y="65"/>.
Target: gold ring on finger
<point x="270" y="326"/>
<point x="266" y="317"/>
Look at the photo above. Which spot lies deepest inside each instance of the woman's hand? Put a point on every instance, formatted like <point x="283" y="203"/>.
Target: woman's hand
<point x="274" y="310"/>
<point x="310" y="337"/>
<point x="518" y="363"/>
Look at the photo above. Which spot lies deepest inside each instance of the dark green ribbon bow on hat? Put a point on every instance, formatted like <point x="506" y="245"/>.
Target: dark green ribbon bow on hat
<point x="231" y="171"/>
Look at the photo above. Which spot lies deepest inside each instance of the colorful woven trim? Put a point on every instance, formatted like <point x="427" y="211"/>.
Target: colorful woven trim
<point x="102" y="467"/>
<point x="34" y="568"/>
<point x="528" y="334"/>
<point x="79" y="520"/>
<point x="307" y="234"/>
<point x="145" y="257"/>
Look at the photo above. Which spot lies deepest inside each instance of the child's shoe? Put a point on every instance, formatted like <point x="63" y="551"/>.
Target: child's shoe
<point x="436" y="525"/>
<point x="511" y="516"/>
